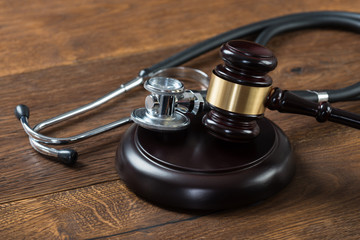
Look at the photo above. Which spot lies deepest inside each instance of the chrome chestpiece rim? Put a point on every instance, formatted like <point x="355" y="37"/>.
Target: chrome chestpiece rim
<point x="159" y="112"/>
<point x="164" y="86"/>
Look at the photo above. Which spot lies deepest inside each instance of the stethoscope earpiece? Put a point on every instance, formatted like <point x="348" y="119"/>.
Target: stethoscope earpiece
<point x="22" y="110"/>
<point x="67" y="156"/>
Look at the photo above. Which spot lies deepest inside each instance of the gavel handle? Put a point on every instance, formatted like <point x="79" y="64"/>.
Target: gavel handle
<point x="287" y="102"/>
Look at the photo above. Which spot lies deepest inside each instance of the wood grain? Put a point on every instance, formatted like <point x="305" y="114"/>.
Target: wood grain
<point x="42" y="34"/>
<point x="312" y="206"/>
<point x="58" y="55"/>
<point x="83" y="213"/>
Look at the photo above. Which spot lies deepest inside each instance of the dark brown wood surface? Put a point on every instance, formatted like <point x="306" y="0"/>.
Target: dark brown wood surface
<point x="57" y="55"/>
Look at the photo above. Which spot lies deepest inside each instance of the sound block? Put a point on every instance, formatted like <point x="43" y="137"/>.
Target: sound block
<point x="191" y="169"/>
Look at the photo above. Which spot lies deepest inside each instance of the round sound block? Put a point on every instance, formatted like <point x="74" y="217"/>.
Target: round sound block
<point x="191" y="169"/>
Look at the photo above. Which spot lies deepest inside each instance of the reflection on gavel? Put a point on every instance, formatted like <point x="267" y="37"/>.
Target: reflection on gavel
<point x="240" y="90"/>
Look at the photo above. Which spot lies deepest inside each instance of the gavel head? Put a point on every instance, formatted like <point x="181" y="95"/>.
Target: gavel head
<point x="238" y="90"/>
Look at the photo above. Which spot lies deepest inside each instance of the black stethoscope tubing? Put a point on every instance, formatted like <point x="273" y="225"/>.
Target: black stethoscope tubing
<point x="266" y="30"/>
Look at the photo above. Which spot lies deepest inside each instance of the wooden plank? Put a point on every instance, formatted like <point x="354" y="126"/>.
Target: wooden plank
<point x="57" y="55"/>
<point x="321" y="202"/>
<point x="42" y="34"/>
<point x="94" y="211"/>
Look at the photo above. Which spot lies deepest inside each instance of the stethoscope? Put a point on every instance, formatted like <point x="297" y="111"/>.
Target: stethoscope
<point x="168" y="102"/>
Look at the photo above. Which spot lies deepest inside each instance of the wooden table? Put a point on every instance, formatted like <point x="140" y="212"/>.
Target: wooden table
<point x="58" y="55"/>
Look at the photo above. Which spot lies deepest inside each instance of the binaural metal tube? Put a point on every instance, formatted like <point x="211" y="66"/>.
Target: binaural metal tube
<point x="76" y="138"/>
<point x="90" y="106"/>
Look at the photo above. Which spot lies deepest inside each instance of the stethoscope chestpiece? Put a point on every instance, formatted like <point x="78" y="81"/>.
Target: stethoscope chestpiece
<point x="160" y="113"/>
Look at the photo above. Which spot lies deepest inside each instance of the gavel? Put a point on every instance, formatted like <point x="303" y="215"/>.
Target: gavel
<point x="240" y="90"/>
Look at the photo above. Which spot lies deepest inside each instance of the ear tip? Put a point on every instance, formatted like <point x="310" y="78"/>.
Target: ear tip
<point x="68" y="156"/>
<point x="22" y="110"/>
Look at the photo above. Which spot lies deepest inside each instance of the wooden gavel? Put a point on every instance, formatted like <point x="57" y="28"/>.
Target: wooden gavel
<point x="240" y="90"/>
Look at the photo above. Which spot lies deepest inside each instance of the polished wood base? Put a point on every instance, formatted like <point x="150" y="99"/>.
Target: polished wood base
<point x="192" y="169"/>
